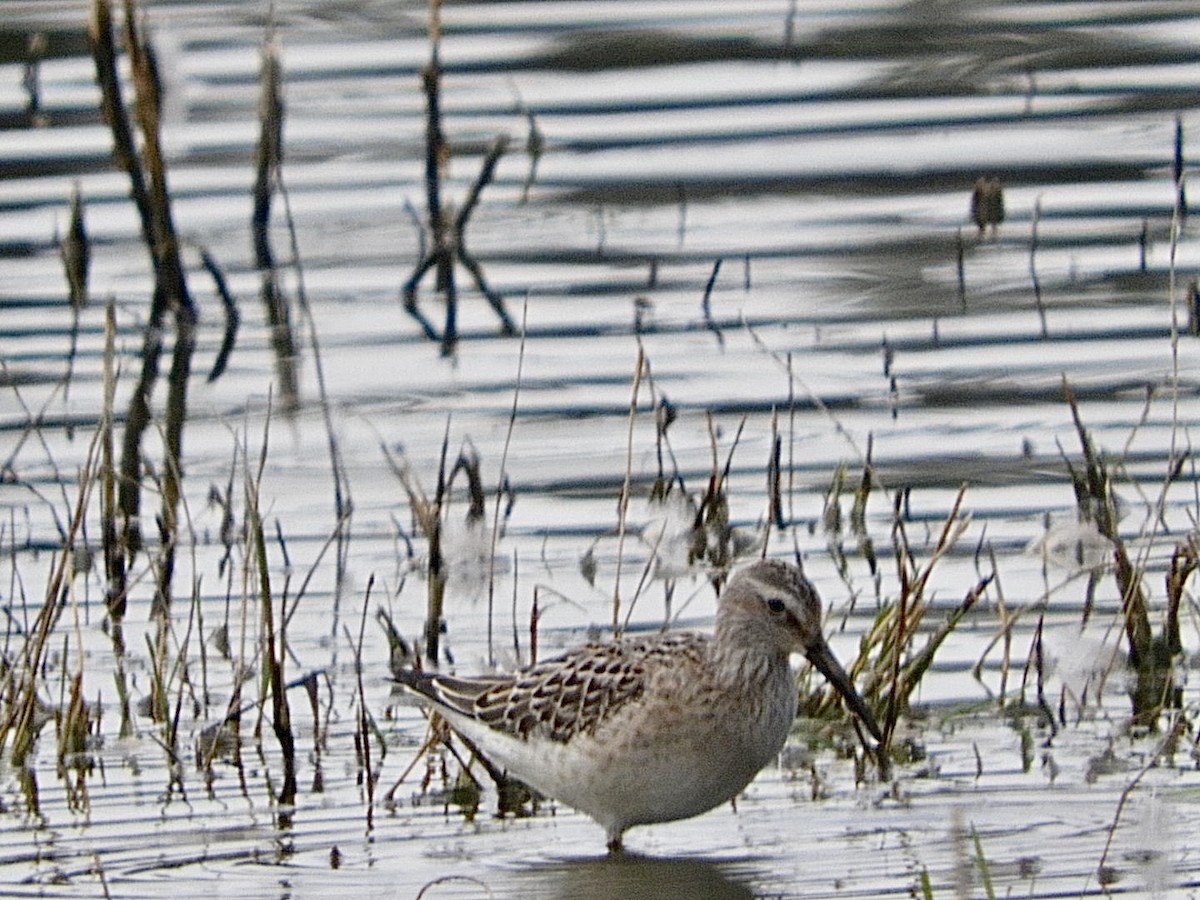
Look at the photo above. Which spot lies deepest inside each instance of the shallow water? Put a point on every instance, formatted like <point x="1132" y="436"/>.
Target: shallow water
<point x="825" y="154"/>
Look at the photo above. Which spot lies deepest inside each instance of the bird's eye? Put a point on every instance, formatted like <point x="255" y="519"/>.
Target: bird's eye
<point x="776" y="605"/>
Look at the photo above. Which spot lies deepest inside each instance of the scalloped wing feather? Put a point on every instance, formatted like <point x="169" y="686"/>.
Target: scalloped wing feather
<point x="576" y="692"/>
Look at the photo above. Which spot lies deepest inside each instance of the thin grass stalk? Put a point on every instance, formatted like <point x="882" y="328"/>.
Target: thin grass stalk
<point x="243" y="660"/>
<point x="791" y="462"/>
<point x="116" y="585"/>
<point x="516" y="631"/>
<point x="915" y="668"/>
<point x="20" y="678"/>
<point x="76" y="254"/>
<point x="436" y="595"/>
<point x="202" y="644"/>
<point x="925" y="885"/>
<point x="1177" y="730"/>
<point x="268" y="155"/>
<point x="643" y="580"/>
<point x="502" y="478"/>
<point x="447" y="230"/>
<point x="1096" y="488"/>
<point x="146" y="170"/>
<point x="1003" y="636"/>
<point x="897" y="624"/>
<point x="712" y="518"/>
<point x="343" y="502"/>
<point x="1033" y="274"/>
<point x="274" y="643"/>
<point x="435" y="157"/>
<point x="171" y="286"/>
<point x="103" y="46"/>
<point x="156" y="652"/>
<point x="981" y="863"/>
<point x="1039" y="670"/>
<point x="179" y="669"/>
<point x="784" y="363"/>
<point x="426" y="514"/>
<point x="774" y="482"/>
<point x="364" y="730"/>
<point x="897" y="637"/>
<point x="626" y="487"/>
<point x="1178" y="169"/>
<point x="335" y="537"/>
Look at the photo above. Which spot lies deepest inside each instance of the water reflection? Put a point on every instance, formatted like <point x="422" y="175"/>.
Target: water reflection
<point x="627" y="877"/>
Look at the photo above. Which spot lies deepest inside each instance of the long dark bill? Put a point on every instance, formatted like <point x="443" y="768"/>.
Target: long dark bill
<point x="826" y="663"/>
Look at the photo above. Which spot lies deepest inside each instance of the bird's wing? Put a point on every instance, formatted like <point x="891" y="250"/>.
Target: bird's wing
<point x="564" y="696"/>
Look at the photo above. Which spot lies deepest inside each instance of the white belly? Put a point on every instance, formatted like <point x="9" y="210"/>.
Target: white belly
<point x="650" y="764"/>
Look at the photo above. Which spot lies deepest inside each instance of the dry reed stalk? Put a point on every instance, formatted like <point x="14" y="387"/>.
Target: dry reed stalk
<point x="783" y="361"/>
<point x="179" y="672"/>
<point x="273" y="647"/>
<point x="502" y="479"/>
<point x="227" y="734"/>
<point x="19" y="694"/>
<point x="156" y="652"/>
<point x="774" y="482"/>
<point x="343" y="502"/>
<point x="427" y="516"/>
<point x="268" y="159"/>
<point x="334" y="538"/>
<point x="1033" y="275"/>
<point x="171" y="286"/>
<point x="145" y="167"/>
<point x="626" y="487"/>
<point x="428" y="513"/>
<point x="362" y="737"/>
<point x="886" y="651"/>
<point x="1004" y="633"/>
<point x="115" y="574"/>
<point x="1177" y="171"/>
<point x="712" y="516"/>
<point x="665" y="415"/>
<point x="76" y="253"/>
<point x="436" y="597"/>
<point x="1178" y="728"/>
<point x="448" y="236"/>
<point x="516" y="631"/>
<point x="1094" y="496"/>
<point x="116" y="585"/>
